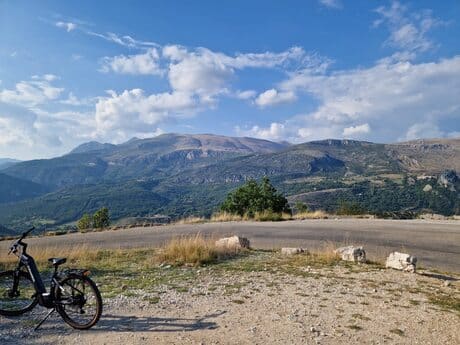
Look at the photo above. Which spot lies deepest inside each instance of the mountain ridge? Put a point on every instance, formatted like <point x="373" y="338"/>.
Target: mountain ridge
<point x="180" y="175"/>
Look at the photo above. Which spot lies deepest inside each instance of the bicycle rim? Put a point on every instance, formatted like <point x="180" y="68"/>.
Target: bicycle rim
<point x="79" y="302"/>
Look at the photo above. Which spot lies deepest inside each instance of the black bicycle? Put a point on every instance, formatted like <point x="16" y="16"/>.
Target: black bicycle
<point x="72" y="293"/>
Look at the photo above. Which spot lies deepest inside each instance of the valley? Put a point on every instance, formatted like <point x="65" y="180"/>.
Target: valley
<point x="178" y="175"/>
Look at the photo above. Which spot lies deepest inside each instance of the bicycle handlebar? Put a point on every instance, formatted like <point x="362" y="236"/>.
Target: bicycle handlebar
<point x="24" y="235"/>
<point x="14" y="246"/>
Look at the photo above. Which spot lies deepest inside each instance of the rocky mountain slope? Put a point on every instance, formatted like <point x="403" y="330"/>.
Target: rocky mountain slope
<point x="180" y="175"/>
<point x="138" y="158"/>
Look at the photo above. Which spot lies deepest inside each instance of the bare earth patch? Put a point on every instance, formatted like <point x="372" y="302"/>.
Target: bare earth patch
<point x="261" y="298"/>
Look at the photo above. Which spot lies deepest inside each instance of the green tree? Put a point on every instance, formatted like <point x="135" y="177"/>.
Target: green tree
<point x="253" y="197"/>
<point x="101" y="218"/>
<point x="85" y="222"/>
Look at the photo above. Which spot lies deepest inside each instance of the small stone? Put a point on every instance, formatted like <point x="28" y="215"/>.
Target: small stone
<point x="446" y="283"/>
<point x="292" y="251"/>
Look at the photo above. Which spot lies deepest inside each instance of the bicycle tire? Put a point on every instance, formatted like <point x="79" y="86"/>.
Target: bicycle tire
<point x="62" y="299"/>
<point x="3" y="290"/>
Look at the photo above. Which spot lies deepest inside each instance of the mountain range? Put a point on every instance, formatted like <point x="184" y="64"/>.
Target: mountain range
<point x="179" y="175"/>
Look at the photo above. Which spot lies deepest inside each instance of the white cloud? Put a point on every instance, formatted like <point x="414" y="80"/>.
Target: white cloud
<point x="69" y="26"/>
<point x="33" y="92"/>
<point x="276" y="131"/>
<point x="353" y="131"/>
<point x="120" y="115"/>
<point x="246" y="94"/>
<point x="423" y="130"/>
<point x="75" y="101"/>
<point x="146" y="63"/>
<point x="391" y="98"/>
<point x="125" y="41"/>
<point x="207" y="73"/>
<point x="335" y="4"/>
<point x="273" y="97"/>
<point x="27" y="133"/>
<point x="408" y="30"/>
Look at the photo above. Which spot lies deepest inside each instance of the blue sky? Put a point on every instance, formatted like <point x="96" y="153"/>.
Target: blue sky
<point x="72" y="72"/>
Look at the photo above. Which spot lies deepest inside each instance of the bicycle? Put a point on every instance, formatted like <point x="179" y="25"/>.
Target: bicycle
<point x="71" y="293"/>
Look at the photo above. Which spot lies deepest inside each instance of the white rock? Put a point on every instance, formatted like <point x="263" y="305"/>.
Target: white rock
<point x="292" y="251"/>
<point x="352" y="253"/>
<point x="234" y="242"/>
<point x="401" y="261"/>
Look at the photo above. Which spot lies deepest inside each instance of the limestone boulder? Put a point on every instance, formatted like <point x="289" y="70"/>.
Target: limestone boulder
<point x="234" y="242"/>
<point x="402" y="262"/>
<point x="352" y="253"/>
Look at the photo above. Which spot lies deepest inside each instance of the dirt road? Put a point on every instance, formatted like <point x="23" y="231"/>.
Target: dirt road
<point x="435" y="243"/>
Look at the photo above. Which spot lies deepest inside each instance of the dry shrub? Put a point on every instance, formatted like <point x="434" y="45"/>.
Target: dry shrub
<point x="269" y="216"/>
<point x="226" y="217"/>
<point x="191" y="220"/>
<point x="192" y="250"/>
<point x="326" y="253"/>
<point x="319" y="214"/>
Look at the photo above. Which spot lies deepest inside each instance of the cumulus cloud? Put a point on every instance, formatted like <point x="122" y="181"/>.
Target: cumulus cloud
<point x="276" y="131"/>
<point x="352" y="131"/>
<point x="68" y="26"/>
<point x="392" y="99"/>
<point x="27" y="133"/>
<point x="36" y="91"/>
<point x="423" y="130"/>
<point x="145" y="63"/>
<point x="132" y="111"/>
<point x="272" y="97"/>
<point x="208" y="73"/>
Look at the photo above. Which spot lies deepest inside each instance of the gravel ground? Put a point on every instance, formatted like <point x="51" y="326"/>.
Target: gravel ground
<point x="329" y="305"/>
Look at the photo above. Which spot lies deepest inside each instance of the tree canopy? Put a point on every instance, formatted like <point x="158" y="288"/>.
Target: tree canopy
<point x="253" y="197"/>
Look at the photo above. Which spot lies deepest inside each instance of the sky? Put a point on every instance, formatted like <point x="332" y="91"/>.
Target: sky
<point x="78" y="71"/>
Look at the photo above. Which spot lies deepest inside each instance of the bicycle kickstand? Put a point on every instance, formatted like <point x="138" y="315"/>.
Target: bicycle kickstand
<point x="46" y="318"/>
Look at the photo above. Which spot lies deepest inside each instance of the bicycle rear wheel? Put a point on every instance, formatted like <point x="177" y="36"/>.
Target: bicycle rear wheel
<point x="78" y="301"/>
<point x="17" y="293"/>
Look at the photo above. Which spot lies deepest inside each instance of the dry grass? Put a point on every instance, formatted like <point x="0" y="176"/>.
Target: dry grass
<point x="192" y="250"/>
<point x="311" y="215"/>
<point x="75" y="255"/>
<point x="268" y="216"/>
<point x="191" y="220"/>
<point x="227" y="217"/>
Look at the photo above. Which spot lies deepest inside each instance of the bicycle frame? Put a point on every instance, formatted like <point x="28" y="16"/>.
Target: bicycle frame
<point x="44" y="298"/>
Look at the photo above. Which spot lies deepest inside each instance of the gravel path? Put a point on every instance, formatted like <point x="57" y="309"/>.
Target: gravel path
<point x="325" y="306"/>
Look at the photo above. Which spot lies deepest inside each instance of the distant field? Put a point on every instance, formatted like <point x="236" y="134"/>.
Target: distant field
<point x="435" y="243"/>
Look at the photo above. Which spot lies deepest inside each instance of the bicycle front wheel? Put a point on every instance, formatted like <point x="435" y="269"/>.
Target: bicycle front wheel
<point x="17" y="293"/>
<point x="78" y="301"/>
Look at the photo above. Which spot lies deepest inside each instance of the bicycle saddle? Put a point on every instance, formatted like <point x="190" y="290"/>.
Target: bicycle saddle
<point x="57" y="261"/>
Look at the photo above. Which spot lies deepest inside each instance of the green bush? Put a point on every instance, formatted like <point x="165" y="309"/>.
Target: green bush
<point x="253" y="198"/>
<point x="101" y="218"/>
<point x="85" y="222"/>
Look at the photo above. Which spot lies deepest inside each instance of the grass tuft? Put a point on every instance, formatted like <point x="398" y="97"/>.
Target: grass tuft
<point x="311" y="215"/>
<point x="192" y="250"/>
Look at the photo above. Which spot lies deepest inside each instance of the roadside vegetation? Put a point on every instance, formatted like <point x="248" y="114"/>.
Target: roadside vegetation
<point x="182" y="263"/>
